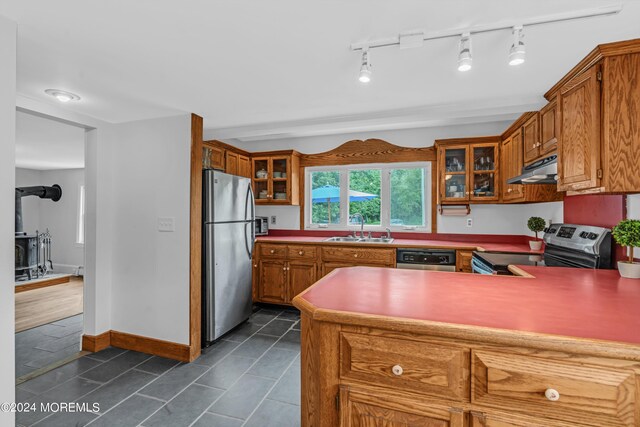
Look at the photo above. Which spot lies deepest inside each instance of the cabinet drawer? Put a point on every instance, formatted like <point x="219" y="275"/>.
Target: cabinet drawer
<point x="588" y="395"/>
<point x="405" y="365"/>
<point x="365" y="255"/>
<point x="273" y="251"/>
<point x="301" y="252"/>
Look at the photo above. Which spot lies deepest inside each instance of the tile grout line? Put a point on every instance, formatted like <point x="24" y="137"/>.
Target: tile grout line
<point x="270" y="389"/>
<point x="102" y="384"/>
<point x="211" y="367"/>
<point x="245" y="373"/>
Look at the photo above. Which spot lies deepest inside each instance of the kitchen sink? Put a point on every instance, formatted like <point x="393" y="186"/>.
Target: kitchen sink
<point x="352" y="239"/>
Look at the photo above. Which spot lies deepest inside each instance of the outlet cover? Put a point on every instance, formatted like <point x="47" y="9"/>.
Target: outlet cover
<point x="469" y="222"/>
<point x="166" y="224"/>
<point x="273" y="220"/>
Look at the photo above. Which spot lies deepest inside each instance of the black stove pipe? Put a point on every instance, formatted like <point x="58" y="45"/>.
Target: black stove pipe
<point x="54" y="193"/>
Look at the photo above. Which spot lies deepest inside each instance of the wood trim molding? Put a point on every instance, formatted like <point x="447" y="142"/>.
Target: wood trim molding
<point x="42" y="284"/>
<point x="470" y="140"/>
<point x="369" y="151"/>
<point x="596" y="55"/>
<point x="94" y="343"/>
<point x="195" y="239"/>
<point x="227" y="147"/>
<point x="520" y="121"/>
<point x="170" y="350"/>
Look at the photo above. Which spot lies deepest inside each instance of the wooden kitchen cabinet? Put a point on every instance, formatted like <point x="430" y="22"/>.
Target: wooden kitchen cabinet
<point x="231" y="166"/>
<point x="244" y="166"/>
<point x="598" y="127"/>
<point x="513" y="140"/>
<point x="272" y="282"/>
<point x="579" y="149"/>
<point x="469" y="170"/>
<point x="213" y="157"/>
<point x="531" y="139"/>
<point x="362" y="407"/>
<point x="301" y="275"/>
<point x="276" y="178"/>
<point x="548" y="129"/>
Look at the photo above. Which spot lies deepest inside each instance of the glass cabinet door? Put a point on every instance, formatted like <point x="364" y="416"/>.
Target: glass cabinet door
<point x="454" y="164"/>
<point x="261" y="170"/>
<point x="280" y="178"/>
<point x="484" y="181"/>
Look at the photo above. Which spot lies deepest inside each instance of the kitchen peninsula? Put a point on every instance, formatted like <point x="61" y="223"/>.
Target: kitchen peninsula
<point x="401" y="347"/>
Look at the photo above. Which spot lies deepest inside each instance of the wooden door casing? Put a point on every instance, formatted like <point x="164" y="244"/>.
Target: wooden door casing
<point x="579" y="139"/>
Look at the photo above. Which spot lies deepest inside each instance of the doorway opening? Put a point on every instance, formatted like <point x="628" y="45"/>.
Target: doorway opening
<point x="49" y="242"/>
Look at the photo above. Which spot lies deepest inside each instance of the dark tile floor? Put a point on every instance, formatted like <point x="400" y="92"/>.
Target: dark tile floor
<point x="250" y="378"/>
<point x="46" y="344"/>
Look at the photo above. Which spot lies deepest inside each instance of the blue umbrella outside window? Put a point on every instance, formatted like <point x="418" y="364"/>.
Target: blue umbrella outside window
<point x="331" y="194"/>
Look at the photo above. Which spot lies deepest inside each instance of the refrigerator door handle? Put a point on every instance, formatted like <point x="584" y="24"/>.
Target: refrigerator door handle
<point x="249" y="243"/>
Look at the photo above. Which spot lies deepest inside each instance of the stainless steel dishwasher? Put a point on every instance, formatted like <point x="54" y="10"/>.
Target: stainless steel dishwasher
<point x="426" y="259"/>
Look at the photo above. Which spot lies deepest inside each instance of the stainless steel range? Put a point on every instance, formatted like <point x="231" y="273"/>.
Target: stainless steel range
<point x="566" y="245"/>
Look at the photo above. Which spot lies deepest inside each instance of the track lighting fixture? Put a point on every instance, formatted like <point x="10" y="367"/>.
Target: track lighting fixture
<point x="365" y="68"/>
<point x="517" y="51"/>
<point x="465" y="59"/>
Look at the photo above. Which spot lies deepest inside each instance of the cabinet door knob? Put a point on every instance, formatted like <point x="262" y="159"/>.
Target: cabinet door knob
<point x="355" y="255"/>
<point x="552" y="394"/>
<point x="397" y="370"/>
<point x="284" y="268"/>
<point x="301" y="253"/>
<point x="510" y="190"/>
<point x="255" y="265"/>
<point x="273" y="251"/>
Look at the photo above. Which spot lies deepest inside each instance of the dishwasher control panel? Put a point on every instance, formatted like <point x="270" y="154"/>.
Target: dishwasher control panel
<point x="426" y="256"/>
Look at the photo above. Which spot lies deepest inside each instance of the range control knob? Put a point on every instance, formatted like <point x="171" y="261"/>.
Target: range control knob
<point x="584" y="235"/>
<point x="443" y="260"/>
<point x="592" y="236"/>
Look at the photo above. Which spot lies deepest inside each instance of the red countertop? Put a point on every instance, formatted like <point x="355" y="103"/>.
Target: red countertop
<point x="515" y="246"/>
<point x="583" y="303"/>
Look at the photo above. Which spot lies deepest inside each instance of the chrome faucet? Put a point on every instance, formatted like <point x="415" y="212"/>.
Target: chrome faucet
<point x="361" y="224"/>
<point x="388" y="232"/>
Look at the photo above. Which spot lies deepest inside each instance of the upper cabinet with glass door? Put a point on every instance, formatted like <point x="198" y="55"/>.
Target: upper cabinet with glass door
<point x="276" y="178"/>
<point x="468" y="170"/>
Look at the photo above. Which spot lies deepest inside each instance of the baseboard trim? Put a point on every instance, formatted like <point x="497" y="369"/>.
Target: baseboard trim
<point x="94" y="343"/>
<point x="42" y="284"/>
<point x="168" y="349"/>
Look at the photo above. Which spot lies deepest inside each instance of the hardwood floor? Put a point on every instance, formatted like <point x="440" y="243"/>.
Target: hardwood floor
<point x="41" y="306"/>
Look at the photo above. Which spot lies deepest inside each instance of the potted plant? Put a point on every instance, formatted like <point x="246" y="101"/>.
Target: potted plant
<point x="627" y="233"/>
<point x="536" y="224"/>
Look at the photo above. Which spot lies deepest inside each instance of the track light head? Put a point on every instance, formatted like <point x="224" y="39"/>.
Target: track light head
<point x="365" y="67"/>
<point x="517" y="52"/>
<point x="465" y="60"/>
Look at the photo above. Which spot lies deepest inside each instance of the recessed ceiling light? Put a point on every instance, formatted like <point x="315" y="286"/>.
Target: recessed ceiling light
<point x="62" y="95"/>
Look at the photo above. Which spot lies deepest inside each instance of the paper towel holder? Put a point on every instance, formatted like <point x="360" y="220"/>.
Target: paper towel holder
<point x="455" y="210"/>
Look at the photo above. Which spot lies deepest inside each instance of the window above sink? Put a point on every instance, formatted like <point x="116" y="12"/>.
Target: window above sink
<point x="389" y="195"/>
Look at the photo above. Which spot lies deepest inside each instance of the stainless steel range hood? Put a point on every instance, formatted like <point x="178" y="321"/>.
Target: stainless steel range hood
<point x="544" y="171"/>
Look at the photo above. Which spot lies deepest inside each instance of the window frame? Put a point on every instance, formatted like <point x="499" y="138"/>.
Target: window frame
<point x="385" y="197"/>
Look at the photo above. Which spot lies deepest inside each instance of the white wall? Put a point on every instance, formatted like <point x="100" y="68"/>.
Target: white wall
<point x="633" y="212"/>
<point x="487" y="219"/>
<point x="7" y="191"/>
<point x="61" y="218"/>
<point x="150" y="269"/>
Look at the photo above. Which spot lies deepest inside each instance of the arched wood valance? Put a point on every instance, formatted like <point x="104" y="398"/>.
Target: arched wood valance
<point x="369" y="151"/>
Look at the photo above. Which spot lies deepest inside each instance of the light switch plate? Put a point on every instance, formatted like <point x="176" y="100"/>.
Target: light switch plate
<point x="166" y="224"/>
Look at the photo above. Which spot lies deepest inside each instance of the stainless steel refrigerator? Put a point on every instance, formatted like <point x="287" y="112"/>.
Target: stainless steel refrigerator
<point x="228" y="215"/>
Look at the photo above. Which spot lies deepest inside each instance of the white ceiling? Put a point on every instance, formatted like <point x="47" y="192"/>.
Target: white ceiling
<point x="260" y="69"/>
<point x="45" y="144"/>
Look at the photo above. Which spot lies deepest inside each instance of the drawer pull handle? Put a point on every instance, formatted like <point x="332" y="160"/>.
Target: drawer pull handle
<point x="552" y="394"/>
<point x="397" y="370"/>
<point x="301" y="253"/>
<point x="355" y="255"/>
<point x="273" y="251"/>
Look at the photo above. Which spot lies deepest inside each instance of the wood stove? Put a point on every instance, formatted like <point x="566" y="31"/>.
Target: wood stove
<point x="26" y="255"/>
